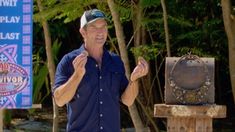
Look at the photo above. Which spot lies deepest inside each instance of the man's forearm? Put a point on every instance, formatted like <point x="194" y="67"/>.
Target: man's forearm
<point x="65" y="92"/>
<point x="131" y="92"/>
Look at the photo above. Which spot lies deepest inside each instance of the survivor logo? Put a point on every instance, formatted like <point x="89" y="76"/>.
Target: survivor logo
<point x="13" y="79"/>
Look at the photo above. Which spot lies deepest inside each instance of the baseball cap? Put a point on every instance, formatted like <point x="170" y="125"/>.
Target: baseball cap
<point x="91" y="16"/>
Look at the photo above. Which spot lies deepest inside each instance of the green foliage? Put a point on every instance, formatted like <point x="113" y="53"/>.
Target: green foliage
<point x="192" y="35"/>
<point x="40" y="79"/>
<point x="68" y="10"/>
<point x="194" y="26"/>
<point x="41" y="84"/>
<point x="49" y="2"/>
<point x="40" y="75"/>
<point x="7" y="117"/>
<point x="149" y="52"/>
<point x="55" y="49"/>
<point x="152" y="20"/>
<point x="195" y="51"/>
<point x="180" y="21"/>
<point x="150" y="3"/>
<point x="124" y="9"/>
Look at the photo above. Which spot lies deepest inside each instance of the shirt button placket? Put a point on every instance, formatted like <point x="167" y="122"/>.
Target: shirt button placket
<point x="101" y="103"/>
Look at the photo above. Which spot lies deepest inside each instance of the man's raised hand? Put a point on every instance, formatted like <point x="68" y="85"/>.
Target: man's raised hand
<point x="140" y="70"/>
<point x="79" y="63"/>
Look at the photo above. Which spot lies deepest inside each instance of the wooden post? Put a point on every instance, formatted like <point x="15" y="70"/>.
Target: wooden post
<point x="189" y="118"/>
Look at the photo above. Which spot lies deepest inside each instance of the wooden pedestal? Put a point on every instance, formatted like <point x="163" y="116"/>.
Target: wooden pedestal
<point x="185" y="118"/>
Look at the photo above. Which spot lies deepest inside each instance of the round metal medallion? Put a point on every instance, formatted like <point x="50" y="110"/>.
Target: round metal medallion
<point x="189" y="79"/>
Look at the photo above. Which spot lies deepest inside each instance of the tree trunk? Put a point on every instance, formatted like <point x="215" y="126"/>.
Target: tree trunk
<point x="50" y="64"/>
<point x="144" y="101"/>
<point x="166" y="28"/>
<point x="229" y="24"/>
<point x="123" y="53"/>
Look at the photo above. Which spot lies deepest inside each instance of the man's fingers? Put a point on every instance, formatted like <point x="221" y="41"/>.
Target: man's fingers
<point x="141" y="69"/>
<point x="85" y="53"/>
<point x="80" y="60"/>
<point x="83" y="62"/>
<point x="143" y="65"/>
<point x="140" y="58"/>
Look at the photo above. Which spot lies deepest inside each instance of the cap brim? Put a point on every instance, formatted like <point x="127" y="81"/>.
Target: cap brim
<point x="95" y="20"/>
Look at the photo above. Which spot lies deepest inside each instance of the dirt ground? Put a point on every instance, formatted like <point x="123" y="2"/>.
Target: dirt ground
<point x="40" y="121"/>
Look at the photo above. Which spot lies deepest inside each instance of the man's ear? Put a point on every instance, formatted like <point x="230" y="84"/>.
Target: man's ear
<point x="82" y="32"/>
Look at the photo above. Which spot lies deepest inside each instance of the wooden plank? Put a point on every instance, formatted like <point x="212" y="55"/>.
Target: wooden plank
<point x="36" y="106"/>
<point x="146" y="129"/>
<point x="181" y="124"/>
<point x="204" y="125"/>
<point x="202" y="111"/>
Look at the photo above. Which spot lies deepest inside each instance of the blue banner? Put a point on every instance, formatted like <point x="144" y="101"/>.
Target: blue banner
<point x="16" y="54"/>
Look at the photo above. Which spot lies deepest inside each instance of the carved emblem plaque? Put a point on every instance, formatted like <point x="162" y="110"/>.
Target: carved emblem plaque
<point x="189" y="80"/>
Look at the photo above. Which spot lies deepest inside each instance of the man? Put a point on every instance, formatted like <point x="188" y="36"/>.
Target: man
<point x="91" y="81"/>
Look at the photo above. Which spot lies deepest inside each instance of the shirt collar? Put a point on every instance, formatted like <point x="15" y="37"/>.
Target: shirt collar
<point x="106" y="56"/>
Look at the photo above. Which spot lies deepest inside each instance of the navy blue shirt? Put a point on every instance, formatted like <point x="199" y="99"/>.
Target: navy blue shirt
<point x="96" y="104"/>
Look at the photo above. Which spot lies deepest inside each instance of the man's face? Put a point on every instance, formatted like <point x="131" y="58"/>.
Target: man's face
<point x="96" y="32"/>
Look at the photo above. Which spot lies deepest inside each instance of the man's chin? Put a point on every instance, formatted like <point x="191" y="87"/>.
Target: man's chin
<point x="100" y="42"/>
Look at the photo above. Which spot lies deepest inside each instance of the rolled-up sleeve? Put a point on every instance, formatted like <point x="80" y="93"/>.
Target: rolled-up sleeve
<point x="63" y="72"/>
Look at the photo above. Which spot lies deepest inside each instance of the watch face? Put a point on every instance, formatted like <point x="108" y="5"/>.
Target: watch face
<point x="189" y="79"/>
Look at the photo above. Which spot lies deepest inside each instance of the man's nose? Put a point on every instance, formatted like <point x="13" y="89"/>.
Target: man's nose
<point x="100" y="30"/>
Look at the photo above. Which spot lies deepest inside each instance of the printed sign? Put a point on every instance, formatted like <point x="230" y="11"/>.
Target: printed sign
<point x="16" y="54"/>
